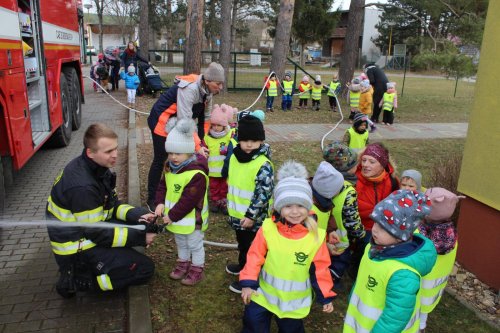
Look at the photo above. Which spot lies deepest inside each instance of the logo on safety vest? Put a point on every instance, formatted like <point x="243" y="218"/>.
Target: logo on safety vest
<point x="177" y="188"/>
<point x="300" y="257"/>
<point x="371" y="283"/>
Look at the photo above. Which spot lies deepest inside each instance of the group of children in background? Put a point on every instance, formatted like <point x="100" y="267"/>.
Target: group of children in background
<point x="295" y="237"/>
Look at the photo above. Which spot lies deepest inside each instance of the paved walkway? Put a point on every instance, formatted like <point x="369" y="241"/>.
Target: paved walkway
<point x="28" y="301"/>
<point x="315" y="132"/>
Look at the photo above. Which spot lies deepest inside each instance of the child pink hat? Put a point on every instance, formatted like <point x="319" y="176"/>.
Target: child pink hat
<point x="219" y="115"/>
<point x="444" y="203"/>
<point x="230" y="112"/>
<point x="305" y="78"/>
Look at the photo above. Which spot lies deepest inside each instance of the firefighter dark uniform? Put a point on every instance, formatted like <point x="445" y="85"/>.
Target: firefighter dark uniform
<point x="94" y="258"/>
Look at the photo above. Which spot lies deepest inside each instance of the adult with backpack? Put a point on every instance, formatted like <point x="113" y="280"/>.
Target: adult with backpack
<point x="189" y="98"/>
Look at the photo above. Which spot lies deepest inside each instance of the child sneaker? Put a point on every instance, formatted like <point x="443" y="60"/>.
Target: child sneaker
<point x="233" y="269"/>
<point x="180" y="270"/>
<point x="194" y="276"/>
<point x="235" y="287"/>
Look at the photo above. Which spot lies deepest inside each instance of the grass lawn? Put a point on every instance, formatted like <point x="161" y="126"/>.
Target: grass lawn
<point x="425" y="100"/>
<point x="211" y="307"/>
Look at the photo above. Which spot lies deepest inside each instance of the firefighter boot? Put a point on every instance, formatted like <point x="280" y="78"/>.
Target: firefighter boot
<point x="194" y="276"/>
<point x="180" y="270"/>
<point x="66" y="284"/>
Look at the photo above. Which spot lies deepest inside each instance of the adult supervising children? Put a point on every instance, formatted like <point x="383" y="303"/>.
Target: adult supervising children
<point x="189" y="98"/>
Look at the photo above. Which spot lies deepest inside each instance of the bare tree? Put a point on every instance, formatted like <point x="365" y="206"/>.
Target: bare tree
<point x="144" y="26"/>
<point x="225" y="38"/>
<point x="351" y="43"/>
<point x="282" y="38"/>
<point x="124" y="13"/>
<point x="99" y="6"/>
<point x="192" y="60"/>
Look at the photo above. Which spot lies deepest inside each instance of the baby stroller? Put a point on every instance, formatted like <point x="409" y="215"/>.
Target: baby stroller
<point x="151" y="82"/>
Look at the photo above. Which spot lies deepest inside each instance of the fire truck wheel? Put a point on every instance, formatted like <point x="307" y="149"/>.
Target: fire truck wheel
<point x="62" y="136"/>
<point x="74" y="97"/>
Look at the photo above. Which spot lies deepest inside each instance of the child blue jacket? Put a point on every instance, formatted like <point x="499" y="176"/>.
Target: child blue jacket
<point x="420" y="254"/>
<point x="131" y="81"/>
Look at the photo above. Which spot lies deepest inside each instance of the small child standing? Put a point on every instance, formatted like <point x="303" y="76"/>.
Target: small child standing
<point x="272" y="91"/>
<point x="250" y="183"/>
<point x="101" y="72"/>
<point x="441" y="230"/>
<point x="353" y="97"/>
<point x="217" y="142"/>
<point x="386" y="295"/>
<point x="366" y="98"/>
<point x="131" y="84"/>
<point x="316" y="89"/>
<point x="333" y="91"/>
<point x="411" y="180"/>
<point x="184" y="192"/>
<point x="278" y="279"/>
<point x="356" y="136"/>
<point x="305" y="92"/>
<point x="389" y="103"/>
<point x="286" y="99"/>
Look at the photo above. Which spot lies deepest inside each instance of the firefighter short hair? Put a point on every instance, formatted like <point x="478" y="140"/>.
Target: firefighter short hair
<point x="95" y="132"/>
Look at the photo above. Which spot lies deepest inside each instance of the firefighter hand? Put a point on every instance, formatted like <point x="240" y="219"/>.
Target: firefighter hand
<point x="333" y="238"/>
<point x="147" y="218"/>
<point x="149" y="238"/>
<point x="328" y="308"/>
<point x="246" y="223"/>
<point x="203" y="151"/>
<point x="159" y="210"/>
<point x="167" y="219"/>
<point x="246" y="295"/>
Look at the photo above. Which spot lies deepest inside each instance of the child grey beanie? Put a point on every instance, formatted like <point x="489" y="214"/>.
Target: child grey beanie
<point x="293" y="187"/>
<point x="415" y="175"/>
<point x="131" y="69"/>
<point x="327" y="181"/>
<point x="214" y="72"/>
<point x="180" y="136"/>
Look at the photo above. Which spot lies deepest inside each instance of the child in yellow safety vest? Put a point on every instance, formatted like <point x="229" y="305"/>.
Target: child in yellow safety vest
<point x="333" y="91"/>
<point x="441" y="230"/>
<point x="250" y="184"/>
<point x="387" y="291"/>
<point x="305" y="92"/>
<point x="353" y="97"/>
<point x="316" y="90"/>
<point x="184" y="187"/>
<point x="277" y="279"/>
<point x="288" y="87"/>
<point x="272" y="91"/>
<point x="389" y="103"/>
<point x="217" y="141"/>
<point x="356" y="136"/>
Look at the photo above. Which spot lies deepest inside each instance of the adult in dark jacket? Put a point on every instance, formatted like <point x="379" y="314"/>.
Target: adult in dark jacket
<point x="115" y="61"/>
<point x="131" y="56"/>
<point x="379" y="82"/>
<point x="96" y="257"/>
<point x="188" y="98"/>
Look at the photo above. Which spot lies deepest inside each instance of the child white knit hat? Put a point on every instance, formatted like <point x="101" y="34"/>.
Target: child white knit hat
<point x="293" y="187"/>
<point x="131" y="69"/>
<point x="180" y="136"/>
<point x="327" y="181"/>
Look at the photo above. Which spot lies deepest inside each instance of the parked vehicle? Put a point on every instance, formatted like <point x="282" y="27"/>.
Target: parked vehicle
<point x="91" y="50"/>
<point x="41" y="90"/>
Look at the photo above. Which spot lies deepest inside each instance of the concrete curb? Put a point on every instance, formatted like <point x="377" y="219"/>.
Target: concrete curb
<point x="139" y="313"/>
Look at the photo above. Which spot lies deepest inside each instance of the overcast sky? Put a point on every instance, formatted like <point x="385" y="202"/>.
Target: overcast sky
<point x="344" y="4"/>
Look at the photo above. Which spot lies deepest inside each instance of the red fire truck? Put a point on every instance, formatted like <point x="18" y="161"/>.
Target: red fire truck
<point x="41" y="90"/>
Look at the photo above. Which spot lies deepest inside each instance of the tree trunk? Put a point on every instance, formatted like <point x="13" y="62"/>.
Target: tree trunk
<point x="192" y="60"/>
<point x="234" y="17"/>
<point x="225" y="38"/>
<point x="170" y="37"/>
<point x="282" y="39"/>
<point x="302" y="60"/>
<point x="144" y="27"/>
<point x="99" y="6"/>
<point x="351" y="44"/>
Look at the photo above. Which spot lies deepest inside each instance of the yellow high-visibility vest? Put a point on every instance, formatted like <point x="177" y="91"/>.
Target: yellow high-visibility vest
<point x="354" y="99"/>
<point x="176" y="182"/>
<point x="388" y="101"/>
<point x="357" y="141"/>
<point x="307" y="91"/>
<point x="316" y="93"/>
<point x="338" y="205"/>
<point x="284" y="280"/>
<point x="323" y="217"/>
<point x="215" y="159"/>
<point x="288" y="87"/>
<point x="332" y="88"/>
<point x="367" y="300"/>
<point x="273" y="89"/>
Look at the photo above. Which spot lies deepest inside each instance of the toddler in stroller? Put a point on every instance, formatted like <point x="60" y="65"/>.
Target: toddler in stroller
<point x="151" y="81"/>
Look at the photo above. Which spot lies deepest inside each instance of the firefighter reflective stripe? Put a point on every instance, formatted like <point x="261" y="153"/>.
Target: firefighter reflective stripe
<point x="61" y="213"/>
<point x="175" y="184"/>
<point x="388" y="101"/>
<point x="323" y="217"/>
<point x="65" y="215"/>
<point x="120" y="237"/>
<point x="332" y="88"/>
<point x="273" y="89"/>
<point x="121" y="212"/>
<point x="68" y="248"/>
<point x="338" y="205"/>
<point x="94" y="215"/>
<point x="306" y="91"/>
<point x="354" y="99"/>
<point x="316" y="93"/>
<point x="104" y="282"/>
<point x="215" y="159"/>
<point x="433" y="284"/>
<point x="357" y="141"/>
<point x="241" y="184"/>
<point x="368" y="298"/>
<point x="288" y="87"/>
<point x="284" y="280"/>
